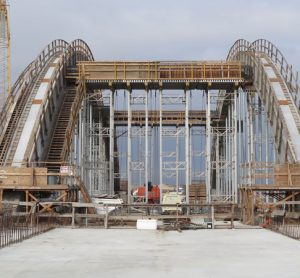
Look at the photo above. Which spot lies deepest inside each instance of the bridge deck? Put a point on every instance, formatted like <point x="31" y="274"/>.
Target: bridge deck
<point x="165" y="75"/>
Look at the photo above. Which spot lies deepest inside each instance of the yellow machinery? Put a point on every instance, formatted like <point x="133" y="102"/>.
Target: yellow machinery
<point x="171" y="198"/>
<point x="5" y="78"/>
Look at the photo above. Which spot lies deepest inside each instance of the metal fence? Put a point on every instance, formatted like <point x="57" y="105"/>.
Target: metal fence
<point x="16" y="228"/>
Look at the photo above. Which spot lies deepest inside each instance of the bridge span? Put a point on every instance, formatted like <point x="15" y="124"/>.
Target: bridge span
<point x="74" y="128"/>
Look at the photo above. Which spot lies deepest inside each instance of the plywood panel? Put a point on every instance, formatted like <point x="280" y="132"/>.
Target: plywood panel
<point x="22" y="176"/>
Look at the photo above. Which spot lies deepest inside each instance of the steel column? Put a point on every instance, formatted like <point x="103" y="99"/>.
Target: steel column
<point x="111" y="142"/>
<point x="160" y="146"/>
<point x="146" y="144"/>
<point x="235" y="150"/>
<point x="208" y="149"/>
<point x="187" y="141"/>
<point x="129" y="174"/>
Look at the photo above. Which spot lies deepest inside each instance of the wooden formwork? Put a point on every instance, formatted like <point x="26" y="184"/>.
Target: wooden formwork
<point x="32" y="182"/>
<point x="197" y="193"/>
<point x="281" y="198"/>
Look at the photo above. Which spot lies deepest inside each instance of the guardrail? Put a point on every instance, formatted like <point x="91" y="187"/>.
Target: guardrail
<point x="77" y="214"/>
<point x="31" y="72"/>
<point x="265" y="46"/>
<point x="225" y="70"/>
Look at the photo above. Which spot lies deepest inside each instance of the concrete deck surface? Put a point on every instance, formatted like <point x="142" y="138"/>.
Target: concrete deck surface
<point x="132" y="253"/>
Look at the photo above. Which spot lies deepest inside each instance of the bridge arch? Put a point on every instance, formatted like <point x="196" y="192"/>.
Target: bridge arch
<point x="39" y="124"/>
<point x="274" y="79"/>
<point x="37" y="97"/>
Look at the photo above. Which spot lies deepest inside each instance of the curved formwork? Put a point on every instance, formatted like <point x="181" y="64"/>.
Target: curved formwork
<point x="29" y="122"/>
<point x="31" y="111"/>
<point x="274" y="80"/>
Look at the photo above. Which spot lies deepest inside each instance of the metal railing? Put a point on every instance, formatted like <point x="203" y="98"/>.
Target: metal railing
<point x="28" y="77"/>
<point x="265" y="46"/>
<point x="227" y="70"/>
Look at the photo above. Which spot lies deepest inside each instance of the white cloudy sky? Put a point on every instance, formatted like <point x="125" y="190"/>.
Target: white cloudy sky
<point x="153" y="29"/>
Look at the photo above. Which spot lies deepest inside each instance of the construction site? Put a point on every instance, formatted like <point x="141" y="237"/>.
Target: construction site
<point x="203" y="154"/>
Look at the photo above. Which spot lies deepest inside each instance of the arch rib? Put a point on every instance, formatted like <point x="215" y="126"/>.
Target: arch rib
<point x="274" y="79"/>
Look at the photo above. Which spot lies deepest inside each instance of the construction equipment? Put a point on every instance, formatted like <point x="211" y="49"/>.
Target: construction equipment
<point x="139" y="194"/>
<point x="5" y="77"/>
<point x="172" y="198"/>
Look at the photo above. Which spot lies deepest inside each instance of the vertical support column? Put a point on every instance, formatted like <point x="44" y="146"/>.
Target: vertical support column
<point x="129" y="174"/>
<point x="177" y="159"/>
<point x="83" y="143"/>
<point x="160" y="146"/>
<point x="267" y="145"/>
<point x="190" y="154"/>
<point x="111" y="141"/>
<point x="90" y="160"/>
<point x="140" y="155"/>
<point x="240" y="153"/>
<point x="252" y="156"/>
<point x="208" y="149"/>
<point x="80" y="151"/>
<point x="226" y="170"/>
<point x="229" y="145"/>
<point x="235" y="150"/>
<point x="187" y="142"/>
<point x="248" y="117"/>
<point x="217" y="165"/>
<point x="146" y="144"/>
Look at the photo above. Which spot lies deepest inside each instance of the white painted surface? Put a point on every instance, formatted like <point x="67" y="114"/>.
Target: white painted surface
<point x="49" y="73"/>
<point x="25" y="135"/>
<point x="264" y="61"/>
<point x="132" y="253"/>
<point x="270" y="72"/>
<point x="278" y="91"/>
<point x="29" y="125"/>
<point x="146" y="224"/>
<point x="42" y="90"/>
<point x="292" y="128"/>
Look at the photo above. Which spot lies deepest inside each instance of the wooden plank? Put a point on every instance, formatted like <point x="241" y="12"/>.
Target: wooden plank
<point x="25" y="176"/>
<point x="35" y="188"/>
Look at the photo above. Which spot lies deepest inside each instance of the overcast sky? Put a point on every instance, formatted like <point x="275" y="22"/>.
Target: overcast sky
<point x="153" y="29"/>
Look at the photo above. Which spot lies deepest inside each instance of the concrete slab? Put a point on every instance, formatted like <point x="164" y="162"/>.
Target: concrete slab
<point x="133" y="253"/>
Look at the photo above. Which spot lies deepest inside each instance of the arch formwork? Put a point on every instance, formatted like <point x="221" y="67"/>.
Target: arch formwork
<point x="274" y="79"/>
<point x="269" y="185"/>
<point x="30" y="122"/>
<point x="49" y="121"/>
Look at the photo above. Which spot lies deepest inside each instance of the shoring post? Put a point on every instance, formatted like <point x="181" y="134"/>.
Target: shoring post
<point x="217" y="165"/>
<point x="177" y="159"/>
<point x="111" y="142"/>
<point x="146" y="143"/>
<point x="235" y="157"/>
<point x="187" y="149"/>
<point x="208" y="149"/>
<point x="129" y="173"/>
<point x="160" y="147"/>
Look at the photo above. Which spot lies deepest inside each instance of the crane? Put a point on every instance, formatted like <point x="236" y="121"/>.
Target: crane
<point x="5" y="76"/>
